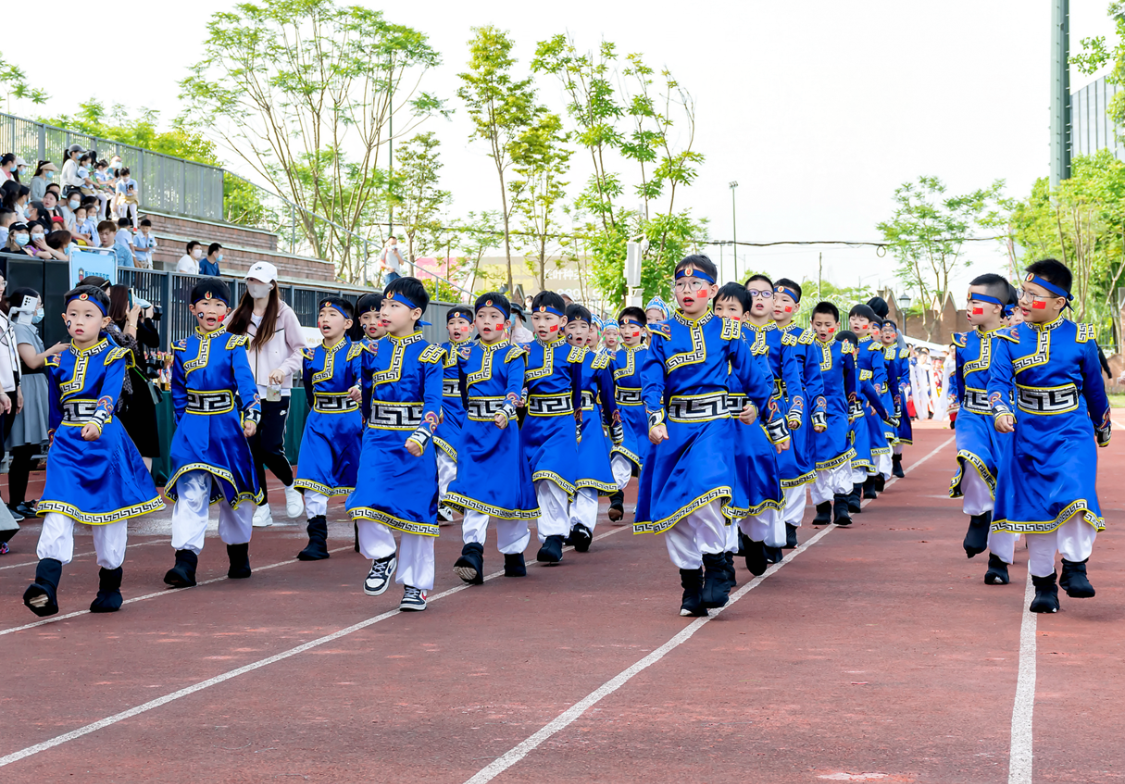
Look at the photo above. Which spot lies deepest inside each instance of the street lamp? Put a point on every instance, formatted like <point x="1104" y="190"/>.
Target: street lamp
<point x="904" y="302"/>
<point x="734" y="226"/>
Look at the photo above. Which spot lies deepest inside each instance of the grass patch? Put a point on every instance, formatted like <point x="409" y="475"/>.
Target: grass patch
<point x="1117" y="401"/>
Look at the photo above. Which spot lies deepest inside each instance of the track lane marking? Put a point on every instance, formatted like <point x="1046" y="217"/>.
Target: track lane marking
<point x="572" y="714"/>
<point x="73" y="558"/>
<point x="1020" y="750"/>
<point x="189" y="690"/>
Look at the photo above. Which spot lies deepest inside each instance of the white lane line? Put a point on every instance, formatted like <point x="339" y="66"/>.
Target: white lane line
<point x="1020" y="754"/>
<point x="75" y="557"/>
<point x="167" y="698"/>
<point x="572" y="714"/>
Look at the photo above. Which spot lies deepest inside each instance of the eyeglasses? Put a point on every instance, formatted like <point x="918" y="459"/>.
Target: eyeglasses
<point x="689" y="284"/>
<point x="762" y="294"/>
<point x="1024" y="294"/>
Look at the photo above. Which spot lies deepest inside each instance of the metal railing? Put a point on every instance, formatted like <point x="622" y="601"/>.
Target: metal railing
<point x="165" y="183"/>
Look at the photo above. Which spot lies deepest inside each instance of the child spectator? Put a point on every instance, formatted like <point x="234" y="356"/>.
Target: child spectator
<point x="107" y="231"/>
<point x="127" y="198"/>
<point x="210" y="264"/>
<point x="144" y="244"/>
<point x="85" y="232"/>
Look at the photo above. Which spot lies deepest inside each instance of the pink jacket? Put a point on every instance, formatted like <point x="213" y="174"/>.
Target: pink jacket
<point x="283" y="351"/>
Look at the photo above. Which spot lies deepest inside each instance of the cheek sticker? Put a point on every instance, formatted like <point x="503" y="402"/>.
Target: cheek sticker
<point x="1039" y="305"/>
<point x="788" y="308"/>
<point x="831" y="330"/>
<point x="554" y="328"/>
<point x="978" y="311"/>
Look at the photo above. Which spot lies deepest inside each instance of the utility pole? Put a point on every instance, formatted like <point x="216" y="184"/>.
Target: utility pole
<point x="734" y="226"/>
<point x="1060" y="91"/>
<point x="820" y="275"/>
<point x="391" y="165"/>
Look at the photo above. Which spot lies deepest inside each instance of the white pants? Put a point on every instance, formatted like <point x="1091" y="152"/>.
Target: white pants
<point x="415" y="553"/>
<point x="898" y="449"/>
<point x="446" y="473"/>
<point x="768" y="527"/>
<point x="859" y="476"/>
<point x="584" y="508"/>
<point x="976" y="498"/>
<point x="512" y="536"/>
<point x="191" y="512"/>
<point x="124" y="211"/>
<point x="884" y="464"/>
<point x="554" y="510"/>
<point x="701" y="532"/>
<point x="795" y="500"/>
<point x="1074" y="540"/>
<point x="829" y="483"/>
<point x="732" y="538"/>
<point x="1003" y="545"/>
<point x="622" y="469"/>
<point x="316" y="504"/>
<point x="56" y="540"/>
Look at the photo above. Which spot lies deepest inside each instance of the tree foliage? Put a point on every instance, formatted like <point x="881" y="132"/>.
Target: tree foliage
<point x="14" y="86"/>
<point x="416" y="196"/>
<point x="541" y="160"/>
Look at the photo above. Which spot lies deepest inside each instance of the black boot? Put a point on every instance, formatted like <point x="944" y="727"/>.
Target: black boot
<point x="716" y="589"/>
<point x="1074" y="580"/>
<point x="879" y="482"/>
<point x="551" y="551"/>
<point x="514" y="565"/>
<point x="790" y="537"/>
<point x="1046" y="594"/>
<point x="840" y="507"/>
<point x="470" y="566"/>
<point x="896" y="466"/>
<point x="239" y="557"/>
<point x="317" y="548"/>
<point x="692" y="582"/>
<point x="732" y="578"/>
<point x="976" y="538"/>
<point x="616" y="506"/>
<point x="41" y="597"/>
<point x="355" y="528"/>
<point x="581" y="538"/>
<point x="755" y="557"/>
<point x="854" y="505"/>
<point x="869" y="491"/>
<point x="109" y="591"/>
<point x="997" y="573"/>
<point x="773" y="554"/>
<point x="823" y="514"/>
<point x="182" y="575"/>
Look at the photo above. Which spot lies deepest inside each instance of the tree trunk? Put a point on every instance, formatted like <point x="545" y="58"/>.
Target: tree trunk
<point x="507" y="235"/>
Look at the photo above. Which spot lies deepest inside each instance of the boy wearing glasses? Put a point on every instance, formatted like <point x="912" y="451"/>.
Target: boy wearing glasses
<point x="1047" y="479"/>
<point x="979" y="445"/>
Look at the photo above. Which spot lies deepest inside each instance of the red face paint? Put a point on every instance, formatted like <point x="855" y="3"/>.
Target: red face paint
<point x="554" y="328"/>
<point x="978" y="311"/>
<point x="788" y="308"/>
<point x="1039" y="305"/>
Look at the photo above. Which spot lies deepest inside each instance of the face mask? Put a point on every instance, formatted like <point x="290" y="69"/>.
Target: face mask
<point x="36" y="237"/>
<point x="21" y="239"/>
<point x="219" y="257"/>
<point x="23" y="170"/>
<point x="37" y="317"/>
<point x="74" y="204"/>
<point x="259" y="290"/>
<point x="50" y="175"/>
<point x="197" y="254"/>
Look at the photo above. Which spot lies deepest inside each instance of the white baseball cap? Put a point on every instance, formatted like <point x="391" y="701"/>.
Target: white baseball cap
<point x="263" y="271"/>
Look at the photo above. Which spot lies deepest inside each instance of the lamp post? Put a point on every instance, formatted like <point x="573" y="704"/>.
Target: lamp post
<point x="903" y="306"/>
<point x="734" y="226"/>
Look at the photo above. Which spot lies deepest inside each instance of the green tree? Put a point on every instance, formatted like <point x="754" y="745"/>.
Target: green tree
<point x="14" y="86"/>
<point x="303" y="91"/>
<point x="928" y="231"/>
<point x="475" y="236"/>
<point x="502" y="108"/>
<point x="541" y="160"/>
<point x="1098" y="52"/>
<point x="416" y="195"/>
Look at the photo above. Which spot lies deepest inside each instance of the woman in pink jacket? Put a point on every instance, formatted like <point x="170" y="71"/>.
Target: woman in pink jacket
<point x="276" y="345"/>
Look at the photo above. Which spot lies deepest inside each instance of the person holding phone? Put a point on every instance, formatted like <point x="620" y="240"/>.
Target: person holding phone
<point x="128" y="197"/>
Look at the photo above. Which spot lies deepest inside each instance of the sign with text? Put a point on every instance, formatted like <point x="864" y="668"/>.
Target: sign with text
<point x="92" y="261"/>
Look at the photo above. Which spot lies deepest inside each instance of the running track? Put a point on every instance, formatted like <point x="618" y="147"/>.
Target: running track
<point x="874" y="653"/>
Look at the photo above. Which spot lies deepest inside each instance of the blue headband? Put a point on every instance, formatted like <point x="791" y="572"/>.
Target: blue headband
<point x="786" y="290"/>
<point x="549" y="309"/>
<point x="691" y="272"/>
<point x="330" y="304"/>
<point x="1051" y="287"/>
<point x="986" y="298"/>
<point x="399" y="297"/>
<point x="1009" y="310"/>
<point x="457" y="313"/>
<point x="84" y="297"/>
<point x="505" y="309"/>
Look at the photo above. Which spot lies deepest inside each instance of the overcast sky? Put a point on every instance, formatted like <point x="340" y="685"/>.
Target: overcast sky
<point x="818" y="109"/>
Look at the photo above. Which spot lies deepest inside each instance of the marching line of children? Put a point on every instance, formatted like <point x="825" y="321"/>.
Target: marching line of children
<point x="729" y="415"/>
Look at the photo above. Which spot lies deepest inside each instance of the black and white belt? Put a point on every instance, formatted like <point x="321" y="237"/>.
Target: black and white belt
<point x="1047" y="400"/>
<point x="483" y="409"/>
<point x="549" y="405"/>
<point x="450" y="388"/>
<point x="333" y="403"/>
<point x="587" y="400"/>
<point x="698" y="408"/>
<point x="78" y="412"/>
<point x="395" y="416"/>
<point x="200" y="401"/>
<point x="975" y="401"/>
<point x="855" y="410"/>
<point x="628" y="396"/>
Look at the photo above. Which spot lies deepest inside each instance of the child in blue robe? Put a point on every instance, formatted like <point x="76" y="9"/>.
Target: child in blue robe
<point x="979" y="445"/>
<point x="628" y="457"/>
<point x="1047" y="482"/>
<point x="95" y="475"/>
<point x="897" y="358"/>
<point x="329" y="456"/>
<point x="459" y="326"/>
<point x="493" y="476"/>
<point x="868" y="413"/>
<point x="688" y="481"/>
<point x="396" y="487"/>
<point x="216" y="405"/>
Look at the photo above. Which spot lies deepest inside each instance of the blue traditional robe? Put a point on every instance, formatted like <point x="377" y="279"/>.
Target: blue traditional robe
<point x="798" y="463"/>
<point x="452" y="408"/>
<point x="979" y="446"/>
<point x="553" y="398"/>
<point x="599" y="405"/>
<point x="331" y="440"/>
<point x="840" y="378"/>
<point x="627" y="381"/>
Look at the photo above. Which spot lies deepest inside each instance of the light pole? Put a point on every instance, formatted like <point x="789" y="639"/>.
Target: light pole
<point x="734" y="226"/>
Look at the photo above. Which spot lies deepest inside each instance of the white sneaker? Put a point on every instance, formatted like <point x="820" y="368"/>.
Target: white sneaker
<point x="379" y="578"/>
<point x="262" y="517"/>
<point x="413" y="600"/>
<point x="294" y="502"/>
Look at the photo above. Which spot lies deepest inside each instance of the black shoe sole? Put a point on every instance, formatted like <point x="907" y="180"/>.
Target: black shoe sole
<point x="305" y="555"/>
<point x="111" y="603"/>
<point x="468" y="573"/>
<point x="176" y="580"/>
<point x="32" y="595"/>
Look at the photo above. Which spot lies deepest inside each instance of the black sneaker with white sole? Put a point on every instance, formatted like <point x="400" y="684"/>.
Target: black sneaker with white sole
<point x="379" y="578"/>
<point x="413" y="600"/>
<point x="581" y="537"/>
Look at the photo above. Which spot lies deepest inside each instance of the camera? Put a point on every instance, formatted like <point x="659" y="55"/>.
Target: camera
<point x="157" y="312"/>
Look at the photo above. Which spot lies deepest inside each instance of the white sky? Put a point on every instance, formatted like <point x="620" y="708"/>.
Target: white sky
<point x="818" y="109"/>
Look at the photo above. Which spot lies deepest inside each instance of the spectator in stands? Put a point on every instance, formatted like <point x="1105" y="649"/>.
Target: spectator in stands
<point x="107" y="235"/>
<point x="138" y="414"/>
<point x="49" y="245"/>
<point x="276" y="353"/>
<point x="50" y="204"/>
<point x="143" y="245"/>
<point x="189" y="262"/>
<point x="60" y="242"/>
<point x="70" y="209"/>
<point x="7" y="218"/>
<point x="127" y="196"/>
<point x="105" y="181"/>
<point x="8" y="167"/>
<point x="19" y="237"/>
<point x="391" y="261"/>
<point x="43" y="174"/>
<point x="70" y="179"/>
<point x="16" y="198"/>
<point x="210" y="265"/>
<point x="86" y="173"/>
<point x="85" y="230"/>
